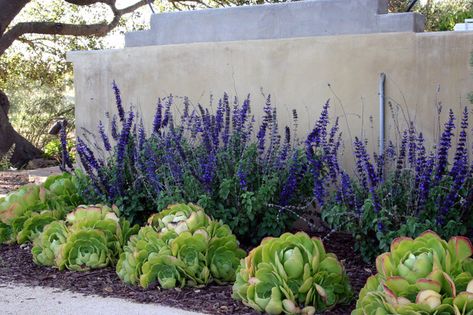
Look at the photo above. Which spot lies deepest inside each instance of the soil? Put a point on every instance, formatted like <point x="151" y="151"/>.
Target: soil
<point x="16" y="266"/>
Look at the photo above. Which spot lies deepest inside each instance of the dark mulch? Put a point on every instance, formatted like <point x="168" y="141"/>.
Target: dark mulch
<point x="11" y="180"/>
<point x="16" y="265"/>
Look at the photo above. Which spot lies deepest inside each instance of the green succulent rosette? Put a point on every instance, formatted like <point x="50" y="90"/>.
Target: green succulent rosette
<point x="83" y="250"/>
<point x="26" y="199"/>
<point x="137" y="252"/>
<point x="58" y="194"/>
<point x="180" y="218"/>
<point x="182" y="246"/>
<point x="70" y="249"/>
<point x="34" y="225"/>
<point x="5" y="232"/>
<point x="47" y="244"/>
<point x="224" y="254"/>
<point x="62" y="191"/>
<point x="291" y="274"/>
<point x="164" y="269"/>
<point x="98" y="217"/>
<point x="421" y="276"/>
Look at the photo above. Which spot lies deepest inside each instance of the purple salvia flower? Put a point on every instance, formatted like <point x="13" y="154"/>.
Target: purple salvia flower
<point x="235" y="115"/>
<point x="359" y="162"/>
<point x="121" y="149"/>
<point x="380" y="163"/>
<point x="290" y="185"/>
<point x="411" y="154"/>
<point x="167" y="112"/>
<point x="331" y="152"/>
<point x="103" y="135"/>
<point x="226" y="130"/>
<point x="114" y="128"/>
<point x="460" y="164"/>
<point x="150" y="164"/>
<point x="286" y="146"/>
<point x="242" y="178"/>
<point x="367" y="165"/>
<point x="295" y="120"/>
<point x="347" y="193"/>
<point x="82" y="148"/>
<point x="185" y="114"/>
<point x="459" y="171"/>
<point x="425" y="183"/>
<point x="206" y="128"/>
<point x="243" y="114"/>
<point x="402" y="154"/>
<point x="444" y="147"/>
<point x="141" y="135"/>
<point x="219" y="123"/>
<point x="208" y="170"/>
<point x="261" y="137"/>
<point x="420" y="163"/>
<point x="420" y="154"/>
<point x="391" y="151"/>
<point x="158" y="117"/>
<point x="118" y="100"/>
<point x="318" y="134"/>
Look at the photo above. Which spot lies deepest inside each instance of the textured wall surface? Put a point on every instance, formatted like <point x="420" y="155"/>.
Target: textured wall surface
<point x="283" y="20"/>
<point x="422" y="69"/>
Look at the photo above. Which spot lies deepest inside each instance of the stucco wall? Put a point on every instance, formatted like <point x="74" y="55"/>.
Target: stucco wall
<point x="421" y="69"/>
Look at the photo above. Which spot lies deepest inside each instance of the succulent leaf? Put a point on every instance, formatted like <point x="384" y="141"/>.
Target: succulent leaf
<point x="291" y="274"/>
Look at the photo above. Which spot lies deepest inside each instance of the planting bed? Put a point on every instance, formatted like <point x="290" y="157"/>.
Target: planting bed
<point x="11" y="180"/>
<point x="16" y="265"/>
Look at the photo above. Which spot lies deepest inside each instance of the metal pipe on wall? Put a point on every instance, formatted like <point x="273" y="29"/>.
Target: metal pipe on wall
<point x="382" y="120"/>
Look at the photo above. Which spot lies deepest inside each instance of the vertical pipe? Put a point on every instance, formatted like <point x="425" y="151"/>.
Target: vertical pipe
<point x="382" y="120"/>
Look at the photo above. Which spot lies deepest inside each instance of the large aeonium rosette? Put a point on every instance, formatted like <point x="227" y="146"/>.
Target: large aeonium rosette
<point x="182" y="246"/>
<point x="180" y="218"/>
<point x="48" y="243"/>
<point x="84" y="250"/>
<point x="426" y="275"/>
<point x="291" y="274"/>
<point x="91" y="237"/>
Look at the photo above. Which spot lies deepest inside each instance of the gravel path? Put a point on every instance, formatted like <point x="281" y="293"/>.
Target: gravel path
<point x="16" y="299"/>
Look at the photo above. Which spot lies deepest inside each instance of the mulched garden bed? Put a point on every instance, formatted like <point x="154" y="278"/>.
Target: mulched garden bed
<point x="11" y="180"/>
<point x="16" y="265"/>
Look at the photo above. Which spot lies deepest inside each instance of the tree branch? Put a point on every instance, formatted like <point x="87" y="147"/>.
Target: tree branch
<point x="90" y="2"/>
<point x="9" y="9"/>
<point x="51" y="28"/>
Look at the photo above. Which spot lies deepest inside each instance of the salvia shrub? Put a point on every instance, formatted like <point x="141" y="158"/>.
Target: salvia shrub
<point x="181" y="246"/>
<point x="291" y="274"/>
<point x="222" y="160"/>
<point x="405" y="190"/>
<point x="24" y="212"/>
<point x="90" y="237"/>
<point x="426" y="275"/>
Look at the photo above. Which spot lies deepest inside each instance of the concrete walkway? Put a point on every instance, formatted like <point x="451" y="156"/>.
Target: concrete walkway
<point x="16" y="299"/>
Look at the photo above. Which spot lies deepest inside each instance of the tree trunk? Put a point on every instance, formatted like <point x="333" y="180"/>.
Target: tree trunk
<point x="24" y="150"/>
